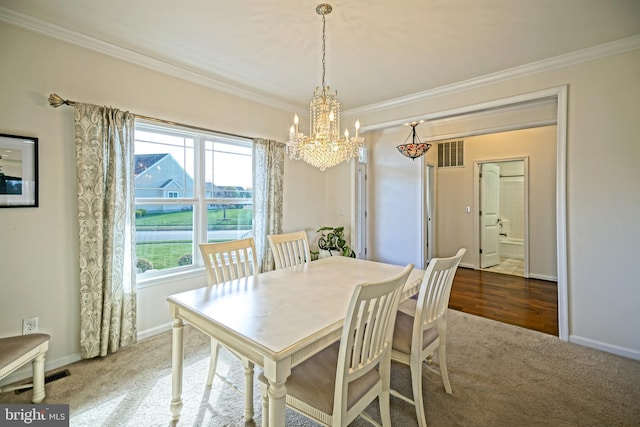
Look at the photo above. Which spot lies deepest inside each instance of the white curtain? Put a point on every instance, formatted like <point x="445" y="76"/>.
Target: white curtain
<point x="268" y="175"/>
<point x="104" y="168"/>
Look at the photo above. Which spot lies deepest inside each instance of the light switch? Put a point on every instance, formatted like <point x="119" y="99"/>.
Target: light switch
<point x="468" y="209"/>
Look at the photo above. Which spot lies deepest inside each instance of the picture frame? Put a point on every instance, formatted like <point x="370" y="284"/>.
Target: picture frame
<point x="18" y="171"/>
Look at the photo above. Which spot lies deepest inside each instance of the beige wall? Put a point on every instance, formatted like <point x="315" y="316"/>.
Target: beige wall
<point x="38" y="254"/>
<point x="455" y="191"/>
<point x="39" y="250"/>
<point x="603" y="200"/>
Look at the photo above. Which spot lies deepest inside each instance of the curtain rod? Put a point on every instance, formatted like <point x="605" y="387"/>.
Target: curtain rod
<point x="56" y="101"/>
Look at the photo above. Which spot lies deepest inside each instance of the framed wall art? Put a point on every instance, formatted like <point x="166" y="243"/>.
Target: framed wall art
<point x="18" y="171"/>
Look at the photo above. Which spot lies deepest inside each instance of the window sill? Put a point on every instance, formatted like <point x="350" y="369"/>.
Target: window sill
<point x="161" y="279"/>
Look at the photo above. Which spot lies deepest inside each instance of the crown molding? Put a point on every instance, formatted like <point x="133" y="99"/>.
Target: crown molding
<point x="561" y="61"/>
<point x="136" y="58"/>
<point x="75" y="38"/>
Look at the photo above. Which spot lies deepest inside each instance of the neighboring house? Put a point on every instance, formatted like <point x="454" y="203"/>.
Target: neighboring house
<point x="160" y="176"/>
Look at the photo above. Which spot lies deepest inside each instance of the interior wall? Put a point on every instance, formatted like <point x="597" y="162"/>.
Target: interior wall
<point x="39" y="251"/>
<point x="602" y="176"/>
<point x="456" y="228"/>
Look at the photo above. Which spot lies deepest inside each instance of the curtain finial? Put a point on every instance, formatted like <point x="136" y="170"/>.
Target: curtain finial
<point x="56" y="101"/>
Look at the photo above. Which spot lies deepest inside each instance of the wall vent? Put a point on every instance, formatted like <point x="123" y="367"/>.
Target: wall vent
<point x="451" y="154"/>
<point x="49" y="378"/>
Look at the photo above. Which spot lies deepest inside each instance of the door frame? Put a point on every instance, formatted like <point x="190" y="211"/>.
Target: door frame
<point x="560" y="94"/>
<point x="428" y="189"/>
<point x="476" y="215"/>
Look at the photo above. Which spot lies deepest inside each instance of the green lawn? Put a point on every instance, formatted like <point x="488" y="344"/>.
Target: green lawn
<point x="165" y="254"/>
<point x="218" y="219"/>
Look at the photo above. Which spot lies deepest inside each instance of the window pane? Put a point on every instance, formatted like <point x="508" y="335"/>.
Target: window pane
<point x="228" y="184"/>
<point x="229" y="222"/>
<point x="164" y="236"/>
<point x="164" y="165"/>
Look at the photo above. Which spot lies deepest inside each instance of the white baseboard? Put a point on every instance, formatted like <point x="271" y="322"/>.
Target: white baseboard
<point x="543" y="277"/>
<point x="148" y="333"/>
<point x="27" y="370"/>
<point x="609" y="348"/>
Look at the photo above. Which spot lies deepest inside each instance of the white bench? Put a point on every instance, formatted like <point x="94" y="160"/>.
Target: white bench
<point x="16" y="352"/>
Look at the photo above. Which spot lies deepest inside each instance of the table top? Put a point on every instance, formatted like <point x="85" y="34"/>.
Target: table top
<point x="281" y="310"/>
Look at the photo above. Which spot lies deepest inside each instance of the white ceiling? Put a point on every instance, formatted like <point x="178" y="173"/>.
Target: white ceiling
<point x="377" y="50"/>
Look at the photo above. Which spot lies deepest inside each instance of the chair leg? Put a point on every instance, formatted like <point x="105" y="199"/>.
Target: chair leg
<point x="416" y="384"/>
<point x="215" y="349"/>
<point x="248" y="389"/>
<point x="38" y="379"/>
<point x="442" y="360"/>
<point x="385" y="409"/>
<point x="264" y="390"/>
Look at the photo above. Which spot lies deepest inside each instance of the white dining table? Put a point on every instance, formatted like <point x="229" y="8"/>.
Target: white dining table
<point x="276" y="319"/>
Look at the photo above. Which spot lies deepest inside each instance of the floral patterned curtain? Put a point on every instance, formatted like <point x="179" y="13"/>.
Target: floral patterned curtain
<point x="268" y="175"/>
<point x="104" y="167"/>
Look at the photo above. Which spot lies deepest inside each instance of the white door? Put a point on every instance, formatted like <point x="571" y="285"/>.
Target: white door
<point x="489" y="214"/>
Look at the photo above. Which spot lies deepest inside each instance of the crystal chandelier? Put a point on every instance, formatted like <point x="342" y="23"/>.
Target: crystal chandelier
<point x="415" y="148"/>
<point x="324" y="147"/>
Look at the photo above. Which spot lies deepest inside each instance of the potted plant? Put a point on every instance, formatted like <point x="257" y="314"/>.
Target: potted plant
<point x="332" y="242"/>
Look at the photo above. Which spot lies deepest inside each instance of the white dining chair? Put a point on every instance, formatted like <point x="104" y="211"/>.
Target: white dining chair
<point x="227" y="261"/>
<point x="289" y="249"/>
<point x="334" y="386"/>
<point x="421" y="328"/>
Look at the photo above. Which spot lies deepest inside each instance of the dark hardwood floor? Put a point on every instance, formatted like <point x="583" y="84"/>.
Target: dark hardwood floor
<point x="528" y="303"/>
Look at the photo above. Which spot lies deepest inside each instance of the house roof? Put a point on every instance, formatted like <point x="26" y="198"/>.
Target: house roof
<point x="145" y="161"/>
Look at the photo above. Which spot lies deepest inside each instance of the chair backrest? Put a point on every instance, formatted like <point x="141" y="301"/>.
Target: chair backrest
<point x="290" y="249"/>
<point x="229" y="260"/>
<point x="367" y="333"/>
<point x="433" y="297"/>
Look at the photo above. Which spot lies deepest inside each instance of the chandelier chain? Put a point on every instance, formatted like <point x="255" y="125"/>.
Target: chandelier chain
<point x="324" y="39"/>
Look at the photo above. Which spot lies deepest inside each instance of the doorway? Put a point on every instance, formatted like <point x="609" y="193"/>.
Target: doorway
<point x="503" y="215"/>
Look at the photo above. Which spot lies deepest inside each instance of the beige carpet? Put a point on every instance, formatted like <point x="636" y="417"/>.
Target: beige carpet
<point x="501" y="375"/>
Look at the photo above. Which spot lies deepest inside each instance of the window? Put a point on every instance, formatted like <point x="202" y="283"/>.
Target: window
<point x="190" y="187"/>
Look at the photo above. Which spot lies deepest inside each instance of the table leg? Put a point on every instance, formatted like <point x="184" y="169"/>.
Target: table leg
<point x="177" y="359"/>
<point x="248" y="390"/>
<point x="277" y="402"/>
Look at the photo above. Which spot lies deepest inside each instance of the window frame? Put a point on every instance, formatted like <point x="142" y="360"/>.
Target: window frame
<point x="199" y="202"/>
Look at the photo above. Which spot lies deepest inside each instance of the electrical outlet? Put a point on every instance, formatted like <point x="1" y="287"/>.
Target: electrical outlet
<point x="30" y="325"/>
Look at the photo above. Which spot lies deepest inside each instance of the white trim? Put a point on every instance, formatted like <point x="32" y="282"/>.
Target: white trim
<point x="543" y="277"/>
<point x="560" y="93"/>
<point x="27" y="370"/>
<point x="130" y="56"/>
<point x="476" y="200"/>
<point x="489" y="130"/>
<point x="583" y="55"/>
<point x="422" y="208"/>
<point x="467" y="109"/>
<point x="561" y="215"/>
<point x="66" y="35"/>
<point x="598" y="345"/>
<point x="148" y="333"/>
